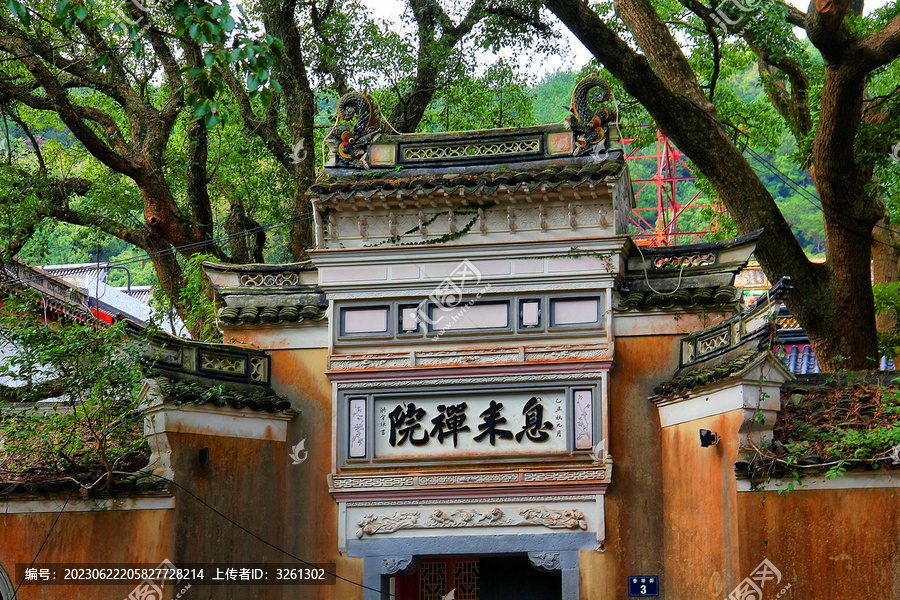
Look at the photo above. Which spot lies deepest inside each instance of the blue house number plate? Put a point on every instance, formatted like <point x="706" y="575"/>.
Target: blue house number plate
<point x="642" y="586"/>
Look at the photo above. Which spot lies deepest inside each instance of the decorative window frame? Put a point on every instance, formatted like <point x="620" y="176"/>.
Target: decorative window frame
<point x="551" y="313"/>
<point x="389" y="321"/>
<point x="515" y="327"/>
<point x="542" y="314"/>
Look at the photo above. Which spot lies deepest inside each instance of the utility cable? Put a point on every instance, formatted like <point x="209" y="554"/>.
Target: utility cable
<point x="834" y="215"/>
<point x="264" y="541"/>
<point x="47" y="537"/>
<point x="647" y="279"/>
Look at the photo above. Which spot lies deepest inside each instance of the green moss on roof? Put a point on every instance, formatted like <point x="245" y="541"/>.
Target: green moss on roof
<point x="182" y="393"/>
<point x="854" y="422"/>
<point x="704" y="375"/>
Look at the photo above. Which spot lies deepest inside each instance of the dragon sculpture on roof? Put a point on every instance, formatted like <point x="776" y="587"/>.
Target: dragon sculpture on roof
<point x="357" y="126"/>
<point x="589" y="122"/>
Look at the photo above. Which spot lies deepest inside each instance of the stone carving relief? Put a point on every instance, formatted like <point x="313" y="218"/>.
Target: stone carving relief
<point x="598" y="474"/>
<point x="463" y="479"/>
<point x="259" y="368"/>
<point x="714" y="342"/>
<point x="470" y="150"/>
<point x="416" y="383"/>
<point x="555" y="519"/>
<point x="402" y="519"/>
<point x="441" y="357"/>
<point x="492" y="500"/>
<point x="467" y="518"/>
<point x="539" y="516"/>
<point x="546" y="561"/>
<point x="678" y="262"/>
<point x="270" y="279"/>
<point x="381" y="221"/>
<point x="223" y="364"/>
<point x="398" y="565"/>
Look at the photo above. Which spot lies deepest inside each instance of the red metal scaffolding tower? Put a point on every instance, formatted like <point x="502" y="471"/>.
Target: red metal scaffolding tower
<point x="657" y="197"/>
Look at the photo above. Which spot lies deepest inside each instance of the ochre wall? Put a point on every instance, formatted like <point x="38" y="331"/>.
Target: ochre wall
<point x="105" y="536"/>
<point x="701" y="537"/>
<point x="672" y="509"/>
<point x="311" y="517"/>
<point x="635" y="519"/>
<point x="828" y="544"/>
<point x="253" y="482"/>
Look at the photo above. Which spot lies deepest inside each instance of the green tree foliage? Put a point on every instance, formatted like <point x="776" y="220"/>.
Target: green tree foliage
<point x="497" y="98"/>
<point x="552" y="95"/>
<point x="176" y="127"/>
<point x="70" y="401"/>
<point x="887" y="306"/>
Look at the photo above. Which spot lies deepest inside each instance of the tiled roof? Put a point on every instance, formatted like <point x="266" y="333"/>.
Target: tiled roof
<point x="57" y="295"/>
<point x="799" y="358"/>
<point x="787" y="322"/>
<point x="191" y="393"/>
<point x="792" y="345"/>
<point x="257" y="315"/>
<point x="131" y="483"/>
<point x="705" y="375"/>
<point x="487" y="183"/>
<point x="682" y="298"/>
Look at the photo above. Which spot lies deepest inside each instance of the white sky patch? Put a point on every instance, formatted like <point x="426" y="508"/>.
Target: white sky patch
<point x="537" y="66"/>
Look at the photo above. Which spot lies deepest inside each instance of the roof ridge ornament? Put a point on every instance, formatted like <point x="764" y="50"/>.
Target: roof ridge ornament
<point x="349" y="143"/>
<point x="590" y="124"/>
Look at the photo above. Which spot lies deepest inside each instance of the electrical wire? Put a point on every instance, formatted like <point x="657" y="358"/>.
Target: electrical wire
<point x="647" y="279"/>
<point x="213" y="509"/>
<point x="813" y="199"/>
<point x="820" y="206"/>
<point x="264" y="541"/>
<point x="47" y="537"/>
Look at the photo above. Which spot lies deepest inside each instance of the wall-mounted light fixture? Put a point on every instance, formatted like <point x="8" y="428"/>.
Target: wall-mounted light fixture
<point x="204" y="456"/>
<point x="708" y="438"/>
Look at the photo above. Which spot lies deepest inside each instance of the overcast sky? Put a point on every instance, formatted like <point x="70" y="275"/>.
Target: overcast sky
<point x="578" y="55"/>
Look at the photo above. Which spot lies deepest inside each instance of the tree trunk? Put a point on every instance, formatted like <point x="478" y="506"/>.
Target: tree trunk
<point x="834" y="302"/>
<point x="409" y="110"/>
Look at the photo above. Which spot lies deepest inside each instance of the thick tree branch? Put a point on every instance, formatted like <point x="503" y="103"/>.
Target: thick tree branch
<point x="717" y="60"/>
<point x="14" y="115"/>
<point x="661" y="48"/>
<point x="111" y="151"/>
<point x="78" y="67"/>
<point x="532" y="21"/>
<point x="265" y="128"/>
<point x="877" y="49"/>
<point x="826" y="28"/>
<point x="32" y="392"/>
<point x="198" y="157"/>
<point x="793" y="106"/>
<point x="794" y="16"/>
<point x="299" y="103"/>
<point x="697" y="134"/>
